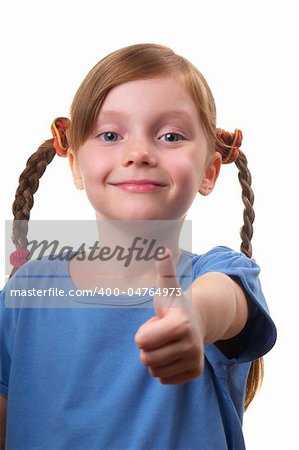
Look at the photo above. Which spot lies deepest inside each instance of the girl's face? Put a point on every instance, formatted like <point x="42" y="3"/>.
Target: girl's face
<point x="148" y="155"/>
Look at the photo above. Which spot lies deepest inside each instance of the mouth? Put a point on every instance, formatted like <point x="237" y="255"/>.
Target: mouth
<point x="139" y="185"/>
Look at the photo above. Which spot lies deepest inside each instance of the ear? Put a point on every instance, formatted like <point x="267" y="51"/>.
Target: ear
<point x="74" y="165"/>
<point x="211" y="174"/>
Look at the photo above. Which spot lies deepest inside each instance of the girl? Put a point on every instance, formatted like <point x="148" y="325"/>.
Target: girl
<point x="135" y="371"/>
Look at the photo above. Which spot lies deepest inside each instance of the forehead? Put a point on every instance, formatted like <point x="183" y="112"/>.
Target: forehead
<point x="159" y="95"/>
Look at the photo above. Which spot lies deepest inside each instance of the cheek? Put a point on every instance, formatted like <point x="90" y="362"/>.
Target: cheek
<point x="95" y="167"/>
<point x="185" y="172"/>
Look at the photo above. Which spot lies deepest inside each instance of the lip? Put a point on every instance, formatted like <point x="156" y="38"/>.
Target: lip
<point x="139" y="185"/>
<point x="139" y="181"/>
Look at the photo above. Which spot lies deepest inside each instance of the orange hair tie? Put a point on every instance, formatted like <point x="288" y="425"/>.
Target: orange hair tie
<point x="58" y="128"/>
<point x="229" y="145"/>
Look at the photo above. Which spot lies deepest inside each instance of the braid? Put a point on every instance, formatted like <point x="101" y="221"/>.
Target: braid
<point x="256" y="372"/>
<point x="28" y="185"/>
<point x="228" y="145"/>
<point x="246" y="231"/>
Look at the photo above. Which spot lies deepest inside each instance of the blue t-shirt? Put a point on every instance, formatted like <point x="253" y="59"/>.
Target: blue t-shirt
<point x="74" y="380"/>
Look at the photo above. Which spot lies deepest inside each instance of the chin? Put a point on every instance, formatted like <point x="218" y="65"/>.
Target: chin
<point x="141" y="216"/>
<point x="132" y="214"/>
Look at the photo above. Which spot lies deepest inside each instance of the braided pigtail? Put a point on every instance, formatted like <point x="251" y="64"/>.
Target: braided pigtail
<point x="228" y="145"/>
<point x="28" y="185"/>
<point x="246" y="231"/>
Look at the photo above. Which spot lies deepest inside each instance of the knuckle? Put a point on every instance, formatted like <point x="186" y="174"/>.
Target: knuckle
<point x="196" y="350"/>
<point x="144" y="358"/>
<point x="138" y="340"/>
<point x="190" y="347"/>
<point x="183" y="329"/>
<point x="193" y="349"/>
<point x="195" y="373"/>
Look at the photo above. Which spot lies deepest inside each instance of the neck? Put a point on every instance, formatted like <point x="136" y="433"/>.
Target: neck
<point x="134" y="245"/>
<point x="125" y="253"/>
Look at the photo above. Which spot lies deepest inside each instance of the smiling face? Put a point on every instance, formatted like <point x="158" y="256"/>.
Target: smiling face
<point x="147" y="156"/>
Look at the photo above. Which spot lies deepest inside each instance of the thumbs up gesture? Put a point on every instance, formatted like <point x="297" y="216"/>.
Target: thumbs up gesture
<point x="171" y="343"/>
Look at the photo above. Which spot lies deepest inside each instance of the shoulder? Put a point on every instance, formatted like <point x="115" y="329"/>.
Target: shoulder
<point x="37" y="274"/>
<point x="44" y="267"/>
<point x="223" y="259"/>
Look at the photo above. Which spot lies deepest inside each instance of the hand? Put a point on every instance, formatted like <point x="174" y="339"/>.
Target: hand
<point x="171" y="342"/>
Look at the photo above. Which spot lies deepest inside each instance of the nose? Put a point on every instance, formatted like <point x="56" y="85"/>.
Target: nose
<point x="139" y="155"/>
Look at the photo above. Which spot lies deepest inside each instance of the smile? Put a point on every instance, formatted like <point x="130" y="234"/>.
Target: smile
<point x="140" y="187"/>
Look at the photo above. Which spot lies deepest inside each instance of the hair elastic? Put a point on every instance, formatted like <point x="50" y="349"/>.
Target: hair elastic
<point x="58" y="129"/>
<point x="229" y="145"/>
<point x="19" y="257"/>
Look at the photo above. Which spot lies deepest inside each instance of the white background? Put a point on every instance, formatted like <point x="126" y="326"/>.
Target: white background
<point x="248" y="52"/>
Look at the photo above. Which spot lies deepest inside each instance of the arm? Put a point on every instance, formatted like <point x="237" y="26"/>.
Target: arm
<point x="220" y="305"/>
<point x="3" y="411"/>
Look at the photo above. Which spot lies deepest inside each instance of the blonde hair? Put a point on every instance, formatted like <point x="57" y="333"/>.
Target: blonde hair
<point x="131" y="63"/>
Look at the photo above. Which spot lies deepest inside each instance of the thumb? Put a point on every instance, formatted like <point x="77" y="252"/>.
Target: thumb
<point x="166" y="285"/>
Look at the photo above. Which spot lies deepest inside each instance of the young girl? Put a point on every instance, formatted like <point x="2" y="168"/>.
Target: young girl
<point x="130" y="371"/>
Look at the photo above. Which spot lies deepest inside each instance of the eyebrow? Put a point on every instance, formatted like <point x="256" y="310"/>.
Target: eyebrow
<point x="111" y="114"/>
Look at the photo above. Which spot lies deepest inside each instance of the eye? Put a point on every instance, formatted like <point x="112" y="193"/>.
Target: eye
<point x="108" y="136"/>
<point x="172" y="137"/>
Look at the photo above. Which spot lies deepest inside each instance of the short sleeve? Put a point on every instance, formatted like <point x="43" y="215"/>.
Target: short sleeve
<point x="259" y="334"/>
<point x="7" y="329"/>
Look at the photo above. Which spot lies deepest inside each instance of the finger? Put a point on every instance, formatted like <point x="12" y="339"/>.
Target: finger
<point x="184" y="377"/>
<point x="167" y="284"/>
<point x="140" y="336"/>
<point x="166" y="271"/>
<point x="156" y="334"/>
<point x="170" y="370"/>
<point x="169" y="353"/>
